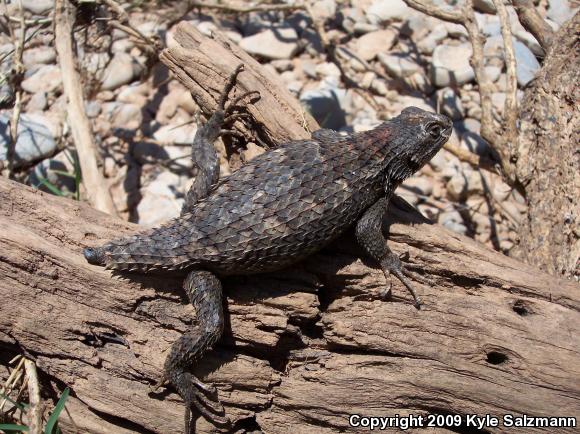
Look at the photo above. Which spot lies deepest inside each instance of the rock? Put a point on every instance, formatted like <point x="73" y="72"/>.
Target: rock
<point x="457" y="187"/>
<point x="380" y="86"/>
<point x="52" y="170"/>
<point x="36" y="55"/>
<point x="38" y="6"/>
<point x="526" y="63"/>
<point x="404" y="101"/>
<point x="493" y="72"/>
<point x="327" y="69"/>
<point x="276" y="43"/>
<point x="492" y="28"/>
<point x="38" y="102"/>
<point x="176" y="158"/>
<point x="324" y="105"/>
<point x="46" y="79"/>
<point x="493" y="48"/>
<point x="419" y="185"/>
<point x="151" y="28"/>
<point x="122" y="69"/>
<point x="513" y="211"/>
<point x="398" y="64"/>
<point x="134" y="94"/>
<point x="127" y="116"/>
<point x="529" y="41"/>
<point x="450" y="65"/>
<point x="485" y="6"/>
<point x="452" y="220"/>
<point x="438" y="162"/>
<point x="455" y="30"/>
<point x="381" y="11"/>
<point x="34" y="142"/>
<point x="122" y="46"/>
<point x="92" y="108"/>
<point x="500" y="191"/>
<point x="474" y="182"/>
<point x="158" y="203"/>
<point x="427" y="45"/>
<point x="450" y="103"/>
<point x="282" y="65"/>
<point x="295" y="87"/>
<point x="367" y="79"/>
<point x="175" y="134"/>
<point x="560" y="11"/>
<point x="309" y="69"/>
<point x="417" y="27"/>
<point x="350" y="17"/>
<point x="371" y="44"/>
<point x="469" y="131"/>
<point x="324" y="9"/>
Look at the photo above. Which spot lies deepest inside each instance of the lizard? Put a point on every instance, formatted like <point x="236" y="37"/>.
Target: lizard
<point x="275" y="210"/>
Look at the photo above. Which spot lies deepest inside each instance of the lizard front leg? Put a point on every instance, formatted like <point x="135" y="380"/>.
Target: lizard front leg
<point x="369" y="235"/>
<point x="204" y="290"/>
<point x="203" y="153"/>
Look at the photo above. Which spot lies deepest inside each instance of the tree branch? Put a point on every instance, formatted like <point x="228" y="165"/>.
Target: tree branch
<point x="97" y="191"/>
<point x="534" y="23"/>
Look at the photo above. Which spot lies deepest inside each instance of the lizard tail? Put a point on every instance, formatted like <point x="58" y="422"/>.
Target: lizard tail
<point x="144" y="252"/>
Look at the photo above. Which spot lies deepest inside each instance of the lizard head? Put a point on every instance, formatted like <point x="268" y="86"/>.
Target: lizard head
<point x="426" y="133"/>
<point x="94" y="255"/>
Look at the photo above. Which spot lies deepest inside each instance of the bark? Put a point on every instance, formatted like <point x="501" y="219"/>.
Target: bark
<point x="549" y="161"/>
<point x="303" y="348"/>
<point x="203" y="65"/>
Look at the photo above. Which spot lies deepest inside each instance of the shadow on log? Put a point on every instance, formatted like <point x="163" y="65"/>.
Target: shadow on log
<point x="303" y="348"/>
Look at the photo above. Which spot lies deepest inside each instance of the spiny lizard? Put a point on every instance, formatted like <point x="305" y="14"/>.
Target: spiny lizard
<point x="275" y="210"/>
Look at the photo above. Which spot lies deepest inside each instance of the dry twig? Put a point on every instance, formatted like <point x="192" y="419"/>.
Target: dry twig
<point x="533" y="22"/>
<point x="17" y="76"/>
<point x="510" y="109"/>
<point x="98" y="193"/>
<point x="34" y="404"/>
<point x="502" y="142"/>
<point x="123" y="23"/>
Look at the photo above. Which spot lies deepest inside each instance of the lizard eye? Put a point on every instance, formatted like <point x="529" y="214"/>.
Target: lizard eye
<point x="434" y="130"/>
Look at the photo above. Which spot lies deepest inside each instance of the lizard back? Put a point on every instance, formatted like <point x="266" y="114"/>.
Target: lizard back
<point x="284" y="204"/>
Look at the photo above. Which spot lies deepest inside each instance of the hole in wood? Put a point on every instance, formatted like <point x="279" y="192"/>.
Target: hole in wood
<point x="496" y="358"/>
<point x="520" y="308"/>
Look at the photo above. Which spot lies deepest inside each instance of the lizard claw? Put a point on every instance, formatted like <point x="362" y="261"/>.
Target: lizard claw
<point x="392" y="265"/>
<point x="199" y="396"/>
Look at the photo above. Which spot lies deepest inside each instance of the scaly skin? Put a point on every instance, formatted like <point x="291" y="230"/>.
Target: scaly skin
<point x="277" y="209"/>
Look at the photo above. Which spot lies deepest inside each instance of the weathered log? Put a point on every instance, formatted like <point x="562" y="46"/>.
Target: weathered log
<point x="303" y="348"/>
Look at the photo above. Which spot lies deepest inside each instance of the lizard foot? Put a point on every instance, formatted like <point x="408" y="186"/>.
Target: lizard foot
<point x="227" y="113"/>
<point x="392" y="265"/>
<point x="201" y="397"/>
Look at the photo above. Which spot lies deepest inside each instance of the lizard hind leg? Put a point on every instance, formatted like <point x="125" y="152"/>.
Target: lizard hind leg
<point x="205" y="293"/>
<point x="203" y="153"/>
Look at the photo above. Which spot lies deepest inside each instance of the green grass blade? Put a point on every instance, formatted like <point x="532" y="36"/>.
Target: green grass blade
<point x="20" y="405"/>
<point x="53" y="419"/>
<point x="51" y="187"/>
<point x="11" y="427"/>
<point x="63" y="173"/>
